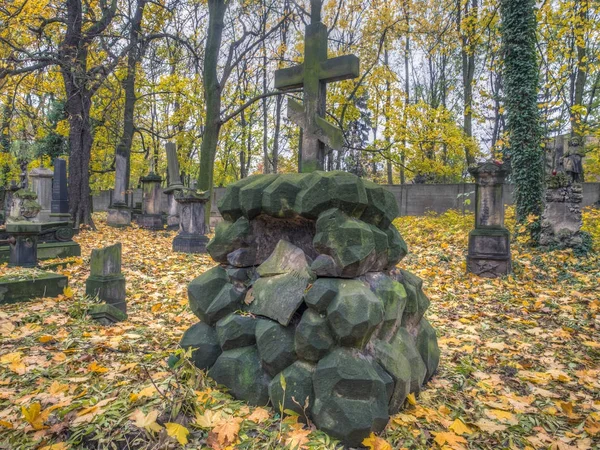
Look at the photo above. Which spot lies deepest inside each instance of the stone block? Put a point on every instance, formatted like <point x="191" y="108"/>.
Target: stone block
<point x="229" y="236"/>
<point x="107" y="314"/>
<point x="234" y="331"/>
<point x="382" y="207"/>
<point x="202" y="339"/>
<point x="275" y="345"/>
<point x="394" y="362"/>
<point x="313" y="340"/>
<point x="241" y="372"/>
<point x="322" y="293"/>
<point x="278" y="297"/>
<point x="298" y="395"/>
<point x="286" y="258"/>
<point x="427" y="346"/>
<point x="251" y="195"/>
<point x="280" y="196"/>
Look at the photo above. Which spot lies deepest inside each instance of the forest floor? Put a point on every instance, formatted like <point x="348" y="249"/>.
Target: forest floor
<point x="520" y="364"/>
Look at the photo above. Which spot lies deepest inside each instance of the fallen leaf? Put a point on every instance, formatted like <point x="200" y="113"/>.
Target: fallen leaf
<point x="460" y="428"/>
<point x="146" y="421"/>
<point x="259" y="415"/>
<point x="376" y="443"/>
<point x="177" y="431"/>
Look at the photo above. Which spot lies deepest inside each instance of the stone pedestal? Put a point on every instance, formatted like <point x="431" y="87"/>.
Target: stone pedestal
<point x="119" y="216"/>
<point x="562" y="219"/>
<point x="192" y="228"/>
<point x="106" y="281"/>
<point x="41" y="183"/>
<point x="489" y="242"/>
<point x="23" y="248"/>
<point x="151" y="217"/>
<point x="174" y="212"/>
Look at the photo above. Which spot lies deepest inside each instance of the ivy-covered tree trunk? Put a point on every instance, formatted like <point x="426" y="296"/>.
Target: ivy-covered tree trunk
<point x="521" y="89"/>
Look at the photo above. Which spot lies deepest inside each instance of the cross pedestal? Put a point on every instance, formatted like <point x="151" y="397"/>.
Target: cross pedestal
<point x="313" y="76"/>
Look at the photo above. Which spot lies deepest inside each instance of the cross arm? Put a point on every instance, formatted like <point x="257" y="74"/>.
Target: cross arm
<point x="290" y="78"/>
<point x="340" y="68"/>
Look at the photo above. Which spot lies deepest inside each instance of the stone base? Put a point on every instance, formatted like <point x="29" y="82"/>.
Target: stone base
<point x="489" y="253"/>
<point x="119" y="217"/>
<point x="47" y="284"/>
<point x="106" y="314"/>
<point x="50" y="250"/>
<point x="190" y="243"/>
<point x="110" y="289"/>
<point x="150" y="221"/>
<point x="172" y="223"/>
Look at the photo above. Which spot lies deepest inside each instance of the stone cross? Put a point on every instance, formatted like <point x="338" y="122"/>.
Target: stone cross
<point x="313" y="76"/>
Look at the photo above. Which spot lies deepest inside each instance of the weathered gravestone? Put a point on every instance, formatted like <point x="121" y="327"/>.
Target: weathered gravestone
<point x="489" y="243"/>
<point x="107" y="283"/>
<point x="307" y="307"/>
<point x="119" y="213"/>
<point x="562" y="219"/>
<point x="192" y="225"/>
<point x="313" y="76"/>
<point x="151" y="216"/>
<point x="175" y="186"/>
<point x="41" y="184"/>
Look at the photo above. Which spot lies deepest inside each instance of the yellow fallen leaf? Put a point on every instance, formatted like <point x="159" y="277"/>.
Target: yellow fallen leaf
<point x="147" y="421"/>
<point x="259" y="415"/>
<point x="376" y="443"/>
<point x="209" y="419"/>
<point x="489" y="426"/>
<point x="34" y="415"/>
<point x="450" y="439"/>
<point x="460" y="428"/>
<point x="297" y="439"/>
<point x="68" y="292"/>
<point x="228" y="430"/>
<point x="97" y="368"/>
<point x="45" y="338"/>
<point x="10" y="358"/>
<point x="6" y="424"/>
<point x="57" y="446"/>
<point x="411" y="399"/>
<point x="502" y="416"/>
<point x="177" y="431"/>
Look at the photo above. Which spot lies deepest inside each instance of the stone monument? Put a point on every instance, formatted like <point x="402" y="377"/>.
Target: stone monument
<point x="313" y="76"/>
<point x="489" y="243"/>
<point x="151" y="216"/>
<point x="192" y="227"/>
<point x="119" y="212"/>
<point x="59" y="209"/>
<point x="41" y="183"/>
<point x="107" y="283"/>
<point x="562" y="219"/>
<point x="175" y="186"/>
<point x="307" y="293"/>
<point x="572" y="160"/>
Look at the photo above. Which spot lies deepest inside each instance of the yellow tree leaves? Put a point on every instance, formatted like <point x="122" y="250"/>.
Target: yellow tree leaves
<point x="178" y="432"/>
<point x="376" y="443"/>
<point x="146" y="421"/>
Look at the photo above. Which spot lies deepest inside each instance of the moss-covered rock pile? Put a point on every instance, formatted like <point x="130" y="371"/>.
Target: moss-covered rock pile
<point x="307" y="309"/>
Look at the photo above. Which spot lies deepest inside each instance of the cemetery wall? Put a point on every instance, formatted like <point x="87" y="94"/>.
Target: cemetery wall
<point x="413" y="199"/>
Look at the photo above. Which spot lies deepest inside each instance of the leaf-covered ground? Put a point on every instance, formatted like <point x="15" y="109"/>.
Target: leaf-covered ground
<point x="520" y="361"/>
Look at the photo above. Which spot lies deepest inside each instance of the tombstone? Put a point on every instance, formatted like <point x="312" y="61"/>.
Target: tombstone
<point x="41" y="183"/>
<point x="151" y="217"/>
<point x="192" y="224"/>
<point x="107" y="283"/>
<point x="23" y="243"/>
<point x="24" y="206"/>
<point x="562" y="219"/>
<point x="59" y="209"/>
<point x="313" y="76"/>
<point x="175" y="185"/>
<point x="489" y="243"/>
<point x="119" y="212"/>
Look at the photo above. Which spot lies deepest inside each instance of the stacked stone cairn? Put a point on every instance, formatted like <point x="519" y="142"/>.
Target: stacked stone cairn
<point x="307" y="310"/>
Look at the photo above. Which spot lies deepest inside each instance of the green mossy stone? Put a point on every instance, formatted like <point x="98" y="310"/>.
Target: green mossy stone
<point x="298" y="393"/>
<point x="394" y="298"/>
<point x="394" y="362"/>
<point x="202" y="339"/>
<point x="350" y="397"/>
<point x="380" y="238"/>
<point x="382" y="206"/>
<point x="325" y="266"/>
<point x="229" y="205"/>
<point x="234" y="331"/>
<point x="278" y="297"/>
<point x="404" y="343"/>
<point x="275" y="345"/>
<point x="354" y="314"/>
<point x="279" y="197"/>
<point x="397" y="248"/>
<point x="313" y="340"/>
<point x="325" y="190"/>
<point x="229" y="236"/>
<point x="417" y="302"/>
<point x="322" y="293"/>
<point x="252" y="193"/>
<point x="348" y="241"/>
<point x="241" y="372"/>
<point x="427" y="346"/>
<point x="212" y="296"/>
<point x="286" y="258"/>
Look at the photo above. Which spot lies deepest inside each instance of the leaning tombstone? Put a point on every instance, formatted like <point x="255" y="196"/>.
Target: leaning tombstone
<point x="107" y="283"/>
<point x="41" y="183"/>
<point x="489" y="243"/>
<point x="151" y="217"/>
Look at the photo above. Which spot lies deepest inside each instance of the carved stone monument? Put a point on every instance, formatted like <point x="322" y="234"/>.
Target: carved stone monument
<point x="119" y="213"/>
<point x="313" y="76"/>
<point x="41" y="184"/>
<point x="151" y="216"/>
<point x="192" y="227"/>
<point x="59" y="210"/>
<point x="175" y="186"/>
<point x="489" y="243"/>
<point x="107" y="283"/>
<point x="572" y="160"/>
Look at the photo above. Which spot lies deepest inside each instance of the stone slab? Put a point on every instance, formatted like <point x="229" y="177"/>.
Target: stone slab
<point x="46" y="284"/>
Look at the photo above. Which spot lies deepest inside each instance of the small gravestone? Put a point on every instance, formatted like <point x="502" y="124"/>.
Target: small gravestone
<point x="151" y="217"/>
<point x="41" y="184"/>
<point x="107" y="283"/>
<point x="489" y="243"/>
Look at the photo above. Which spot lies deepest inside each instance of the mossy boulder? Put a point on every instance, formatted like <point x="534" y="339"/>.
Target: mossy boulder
<point x="202" y="339"/>
<point x="279" y="197"/>
<point x="275" y="345"/>
<point x="235" y="330"/>
<point x="427" y="346"/>
<point x="229" y="236"/>
<point x="313" y="340"/>
<point x="292" y="389"/>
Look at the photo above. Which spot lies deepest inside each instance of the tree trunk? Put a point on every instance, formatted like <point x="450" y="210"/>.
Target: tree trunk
<point x="468" y="70"/>
<point x="212" y="96"/>
<point x="406" y="94"/>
